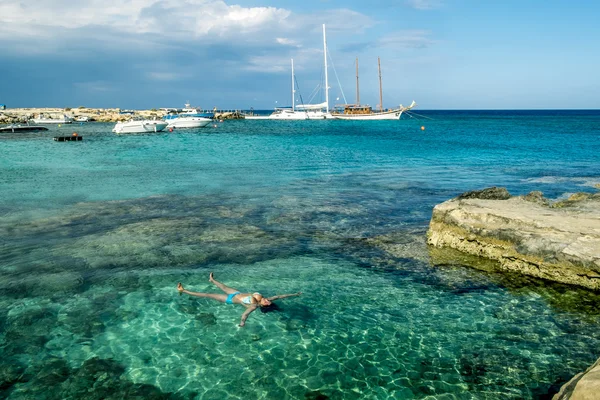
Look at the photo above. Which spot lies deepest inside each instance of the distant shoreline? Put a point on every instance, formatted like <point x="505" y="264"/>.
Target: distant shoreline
<point x="21" y="115"/>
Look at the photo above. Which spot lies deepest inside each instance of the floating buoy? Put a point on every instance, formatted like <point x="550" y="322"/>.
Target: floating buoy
<point x="74" y="133"/>
<point x="422" y="128"/>
<point x="220" y="120"/>
<point x="170" y="129"/>
<point x="215" y="125"/>
<point x="59" y="125"/>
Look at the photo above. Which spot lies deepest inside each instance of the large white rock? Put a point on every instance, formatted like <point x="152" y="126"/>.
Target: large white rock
<point x="556" y="243"/>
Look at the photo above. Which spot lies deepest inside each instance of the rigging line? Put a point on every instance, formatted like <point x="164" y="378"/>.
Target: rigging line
<point x="299" y="94"/>
<point x="336" y="77"/>
<point x="411" y="113"/>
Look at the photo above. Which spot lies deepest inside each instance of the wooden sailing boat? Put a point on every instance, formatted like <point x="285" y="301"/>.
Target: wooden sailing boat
<point x="365" y="112"/>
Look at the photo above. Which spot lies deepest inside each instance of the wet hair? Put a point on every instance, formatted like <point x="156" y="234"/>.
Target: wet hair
<point x="269" y="308"/>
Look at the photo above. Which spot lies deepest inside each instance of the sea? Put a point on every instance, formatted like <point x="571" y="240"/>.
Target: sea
<point x="96" y="234"/>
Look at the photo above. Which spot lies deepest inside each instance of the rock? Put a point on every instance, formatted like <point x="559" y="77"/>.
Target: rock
<point x="536" y="197"/>
<point x="575" y="199"/>
<point x="558" y="244"/>
<point x="493" y="193"/>
<point x="584" y="386"/>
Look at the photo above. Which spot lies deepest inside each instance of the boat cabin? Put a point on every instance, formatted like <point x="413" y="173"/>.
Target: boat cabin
<point x="357" y="109"/>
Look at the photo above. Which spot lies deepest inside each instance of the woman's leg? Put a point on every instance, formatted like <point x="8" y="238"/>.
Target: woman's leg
<point x="224" y="288"/>
<point x="219" y="297"/>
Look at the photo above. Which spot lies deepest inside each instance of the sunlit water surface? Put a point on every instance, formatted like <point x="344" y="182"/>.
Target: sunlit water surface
<point x="95" y="235"/>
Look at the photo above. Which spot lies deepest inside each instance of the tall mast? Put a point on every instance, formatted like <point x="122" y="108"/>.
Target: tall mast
<point x="380" y="90"/>
<point x="325" y="58"/>
<point x="293" y="96"/>
<point x="357" y="92"/>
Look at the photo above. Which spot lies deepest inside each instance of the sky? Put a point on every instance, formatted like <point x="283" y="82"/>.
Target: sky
<point x="236" y="54"/>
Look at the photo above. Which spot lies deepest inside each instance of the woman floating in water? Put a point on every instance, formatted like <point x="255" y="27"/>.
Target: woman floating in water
<point x="249" y="300"/>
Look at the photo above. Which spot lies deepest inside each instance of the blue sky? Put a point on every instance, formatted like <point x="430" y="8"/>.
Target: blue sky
<point x="444" y="54"/>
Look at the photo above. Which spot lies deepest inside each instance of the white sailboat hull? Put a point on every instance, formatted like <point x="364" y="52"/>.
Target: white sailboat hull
<point x="386" y="115"/>
<point x="141" y="126"/>
<point x="288" y="115"/>
<point x="256" y="117"/>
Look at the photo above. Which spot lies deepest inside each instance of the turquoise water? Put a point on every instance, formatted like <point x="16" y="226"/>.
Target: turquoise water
<point x="96" y="234"/>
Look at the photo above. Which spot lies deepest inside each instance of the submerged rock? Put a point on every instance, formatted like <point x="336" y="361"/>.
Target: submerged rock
<point x="554" y="243"/>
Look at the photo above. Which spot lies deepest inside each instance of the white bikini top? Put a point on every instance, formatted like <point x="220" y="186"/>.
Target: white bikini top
<point x="248" y="299"/>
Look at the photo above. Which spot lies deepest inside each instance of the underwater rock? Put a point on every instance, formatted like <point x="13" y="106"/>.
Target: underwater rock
<point x="207" y="319"/>
<point x="103" y="379"/>
<point x="557" y="244"/>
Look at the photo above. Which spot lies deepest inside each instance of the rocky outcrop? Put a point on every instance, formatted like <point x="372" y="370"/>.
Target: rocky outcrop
<point x="559" y="241"/>
<point x="584" y="386"/>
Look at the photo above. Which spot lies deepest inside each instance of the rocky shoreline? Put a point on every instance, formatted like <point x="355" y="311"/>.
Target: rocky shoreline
<point x="22" y="115"/>
<point x="557" y="241"/>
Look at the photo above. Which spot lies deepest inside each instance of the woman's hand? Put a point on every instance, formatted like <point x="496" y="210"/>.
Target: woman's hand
<point x="242" y="324"/>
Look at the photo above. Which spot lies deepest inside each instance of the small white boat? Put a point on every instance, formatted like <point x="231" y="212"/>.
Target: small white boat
<point x="189" y="118"/>
<point x="140" y="126"/>
<point x="42" y="119"/>
<point x="82" y="118"/>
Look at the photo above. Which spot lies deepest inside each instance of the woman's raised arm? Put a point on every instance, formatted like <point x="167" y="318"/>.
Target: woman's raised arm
<point x="283" y="296"/>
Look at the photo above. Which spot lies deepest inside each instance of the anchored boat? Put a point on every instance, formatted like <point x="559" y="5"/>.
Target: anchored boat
<point x="358" y="112"/>
<point x="140" y="126"/>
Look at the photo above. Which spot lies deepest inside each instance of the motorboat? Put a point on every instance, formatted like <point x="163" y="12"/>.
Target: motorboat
<point x="22" y="128"/>
<point x="43" y="119"/>
<point x="140" y="126"/>
<point x="189" y="117"/>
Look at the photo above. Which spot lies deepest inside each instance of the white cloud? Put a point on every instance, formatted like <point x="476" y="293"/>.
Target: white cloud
<point x="165" y="17"/>
<point x="163" y="76"/>
<point x="94" y="86"/>
<point x="408" y="39"/>
<point x="425" y="4"/>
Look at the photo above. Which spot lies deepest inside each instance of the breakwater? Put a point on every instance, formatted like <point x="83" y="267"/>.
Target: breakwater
<point x="21" y="115"/>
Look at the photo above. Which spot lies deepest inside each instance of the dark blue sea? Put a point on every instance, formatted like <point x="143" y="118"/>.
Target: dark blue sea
<point x="95" y="235"/>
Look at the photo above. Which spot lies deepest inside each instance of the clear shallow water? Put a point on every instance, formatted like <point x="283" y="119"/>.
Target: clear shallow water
<point x="95" y="235"/>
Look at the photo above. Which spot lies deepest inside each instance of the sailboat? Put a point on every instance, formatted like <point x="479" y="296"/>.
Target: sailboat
<point x="358" y="112"/>
<point x="303" y="111"/>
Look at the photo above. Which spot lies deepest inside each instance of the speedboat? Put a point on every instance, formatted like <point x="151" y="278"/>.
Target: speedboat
<point x="188" y="118"/>
<point x="41" y="119"/>
<point x="22" y="128"/>
<point x="140" y="126"/>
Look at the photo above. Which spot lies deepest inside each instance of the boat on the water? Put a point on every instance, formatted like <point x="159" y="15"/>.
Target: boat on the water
<point x="140" y="126"/>
<point x="302" y="111"/>
<point x="22" y="128"/>
<point x="358" y="112"/>
<point x="43" y="119"/>
<point x="189" y="117"/>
